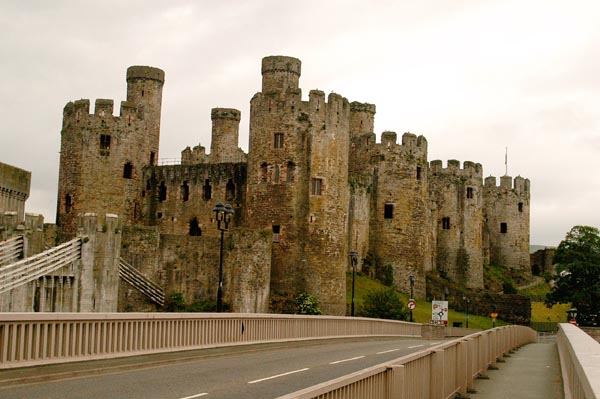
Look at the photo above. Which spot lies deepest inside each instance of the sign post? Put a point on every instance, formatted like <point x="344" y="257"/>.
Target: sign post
<point x="494" y="316"/>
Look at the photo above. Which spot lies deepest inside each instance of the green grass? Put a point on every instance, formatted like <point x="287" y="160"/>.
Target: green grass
<point x="558" y="312"/>
<point x="422" y="313"/>
<point x="537" y="292"/>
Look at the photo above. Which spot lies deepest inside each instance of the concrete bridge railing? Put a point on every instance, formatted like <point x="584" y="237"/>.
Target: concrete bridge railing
<point x="31" y="339"/>
<point x="443" y="371"/>
<point x="579" y="362"/>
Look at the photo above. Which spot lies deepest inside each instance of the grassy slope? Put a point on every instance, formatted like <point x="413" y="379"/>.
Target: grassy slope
<point x="422" y="314"/>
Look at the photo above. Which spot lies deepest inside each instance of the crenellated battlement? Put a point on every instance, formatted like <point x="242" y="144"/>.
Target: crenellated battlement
<point x="470" y="169"/>
<point x="280" y="73"/>
<point x="519" y="185"/>
<point x="225" y="113"/>
<point x="194" y="156"/>
<point x="103" y="109"/>
<point x="145" y="72"/>
<point x="356" y="106"/>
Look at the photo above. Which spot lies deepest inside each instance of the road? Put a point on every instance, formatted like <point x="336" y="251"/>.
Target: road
<point x="263" y="372"/>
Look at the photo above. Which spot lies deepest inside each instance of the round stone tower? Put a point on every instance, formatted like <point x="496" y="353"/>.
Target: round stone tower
<point x="225" y="134"/>
<point x="280" y="73"/>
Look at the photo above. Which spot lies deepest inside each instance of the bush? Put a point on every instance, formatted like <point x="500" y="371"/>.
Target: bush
<point x="307" y="304"/>
<point x="508" y="288"/>
<point x="384" y="304"/>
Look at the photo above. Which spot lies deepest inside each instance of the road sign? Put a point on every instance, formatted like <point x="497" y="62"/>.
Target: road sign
<point x="411" y="305"/>
<point x="494" y="315"/>
<point x="439" y="312"/>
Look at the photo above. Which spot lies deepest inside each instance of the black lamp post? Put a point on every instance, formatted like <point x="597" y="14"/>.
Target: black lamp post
<point x="223" y="217"/>
<point x="446" y="293"/>
<point x="411" y="278"/>
<point x="354" y="262"/>
<point x="467" y="301"/>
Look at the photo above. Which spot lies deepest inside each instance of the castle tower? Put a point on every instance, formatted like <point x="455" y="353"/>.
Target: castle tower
<point x="399" y="234"/>
<point x="507" y="221"/>
<point x="225" y="135"/>
<point x="144" y="90"/>
<point x="362" y="118"/>
<point x="102" y="156"/>
<point x="457" y="198"/>
<point x="297" y="183"/>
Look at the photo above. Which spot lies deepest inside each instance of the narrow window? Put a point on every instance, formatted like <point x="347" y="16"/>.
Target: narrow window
<point x="159" y="215"/>
<point x="278" y="141"/>
<point x="446" y="223"/>
<point x="162" y="192"/>
<point x="151" y="157"/>
<point x="469" y="192"/>
<point x="68" y="203"/>
<point x="388" y="211"/>
<point x="148" y="185"/>
<point x="316" y="186"/>
<point x="263" y="172"/>
<point x="520" y="207"/>
<point x="185" y="191"/>
<point x="128" y="170"/>
<point x="105" y="142"/>
<point x="276" y="177"/>
<point x="276" y="233"/>
<point x="230" y="190"/>
<point x="207" y="190"/>
<point x="290" y="172"/>
<point x="142" y="93"/>
<point x="195" y="230"/>
<point x="418" y="173"/>
<point x="503" y="228"/>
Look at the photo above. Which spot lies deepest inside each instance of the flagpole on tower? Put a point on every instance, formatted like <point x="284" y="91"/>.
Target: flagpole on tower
<point x="506" y="162"/>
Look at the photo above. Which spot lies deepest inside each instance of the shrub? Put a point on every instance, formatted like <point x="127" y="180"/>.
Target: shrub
<point x="307" y="304"/>
<point x="384" y="304"/>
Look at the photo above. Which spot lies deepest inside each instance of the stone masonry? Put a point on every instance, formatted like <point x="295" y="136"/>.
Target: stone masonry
<point x="314" y="185"/>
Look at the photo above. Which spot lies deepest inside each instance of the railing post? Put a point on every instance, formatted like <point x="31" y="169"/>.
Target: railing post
<point x="436" y="375"/>
<point x="395" y="380"/>
<point x="462" y="367"/>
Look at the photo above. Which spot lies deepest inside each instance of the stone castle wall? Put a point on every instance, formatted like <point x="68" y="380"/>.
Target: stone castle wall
<point x="314" y="185"/>
<point x="14" y="190"/>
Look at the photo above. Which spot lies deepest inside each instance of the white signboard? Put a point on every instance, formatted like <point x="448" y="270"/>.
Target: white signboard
<point x="439" y="313"/>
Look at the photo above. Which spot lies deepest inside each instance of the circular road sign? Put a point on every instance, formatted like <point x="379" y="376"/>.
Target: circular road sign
<point x="411" y="305"/>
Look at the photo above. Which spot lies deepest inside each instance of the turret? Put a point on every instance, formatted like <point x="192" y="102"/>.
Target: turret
<point x="144" y="89"/>
<point x="225" y="134"/>
<point x="362" y="118"/>
<point x="280" y="73"/>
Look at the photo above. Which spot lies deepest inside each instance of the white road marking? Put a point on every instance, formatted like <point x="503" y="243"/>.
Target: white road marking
<point x="347" y="360"/>
<point x="278" y="375"/>
<point x="195" y="396"/>
<point x="433" y="343"/>
<point x="391" y="350"/>
<point x="415" y="346"/>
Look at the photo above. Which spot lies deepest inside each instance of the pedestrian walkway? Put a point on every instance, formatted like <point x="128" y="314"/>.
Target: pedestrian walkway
<point x="531" y="372"/>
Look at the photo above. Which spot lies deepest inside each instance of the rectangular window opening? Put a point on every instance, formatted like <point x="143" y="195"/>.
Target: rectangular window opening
<point x="105" y="142"/>
<point x="520" y="207"/>
<point x="316" y="186"/>
<point x="469" y="192"/>
<point x="503" y="228"/>
<point x="276" y="230"/>
<point x="446" y="223"/>
<point x="418" y="173"/>
<point x="388" y="211"/>
<point x="278" y="140"/>
<point x="128" y="170"/>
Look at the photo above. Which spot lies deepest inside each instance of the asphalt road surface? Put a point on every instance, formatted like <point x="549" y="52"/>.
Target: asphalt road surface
<point x="258" y="372"/>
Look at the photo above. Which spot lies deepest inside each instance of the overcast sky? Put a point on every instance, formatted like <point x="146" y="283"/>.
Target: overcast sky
<point x="473" y="77"/>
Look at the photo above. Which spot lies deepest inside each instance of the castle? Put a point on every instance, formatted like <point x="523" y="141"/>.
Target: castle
<point x="314" y="186"/>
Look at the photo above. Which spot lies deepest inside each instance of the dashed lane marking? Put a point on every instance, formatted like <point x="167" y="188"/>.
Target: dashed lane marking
<point x="347" y="360"/>
<point x="415" y="346"/>
<point x="391" y="350"/>
<point x="278" y="375"/>
<point x="195" y="396"/>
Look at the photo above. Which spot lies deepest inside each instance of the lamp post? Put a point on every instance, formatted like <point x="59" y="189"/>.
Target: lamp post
<point x="223" y="217"/>
<point x="354" y="262"/>
<point x="411" y="278"/>
<point x="467" y="301"/>
<point x="446" y="293"/>
<point x="572" y="315"/>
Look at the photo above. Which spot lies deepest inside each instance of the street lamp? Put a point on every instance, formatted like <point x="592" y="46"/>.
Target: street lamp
<point x="446" y="293"/>
<point x="467" y="301"/>
<point x="223" y="217"/>
<point x="411" y="278"/>
<point x="354" y="262"/>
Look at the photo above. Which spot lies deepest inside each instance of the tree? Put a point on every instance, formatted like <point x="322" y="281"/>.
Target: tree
<point x="307" y="304"/>
<point x="578" y="273"/>
<point x="384" y="304"/>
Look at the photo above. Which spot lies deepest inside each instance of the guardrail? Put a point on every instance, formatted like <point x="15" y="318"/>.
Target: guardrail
<point x="443" y="371"/>
<point x="11" y="250"/>
<point x="31" y="339"/>
<point x="579" y="362"/>
<point x="140" y="282"/>
<point x="29" y="269"/>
